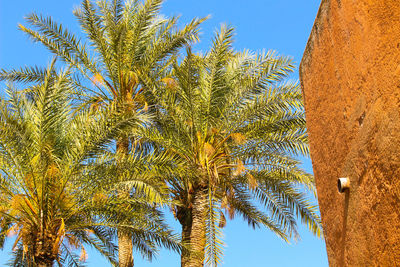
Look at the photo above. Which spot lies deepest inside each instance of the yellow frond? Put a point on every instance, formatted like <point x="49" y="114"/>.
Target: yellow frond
<point x="208" y="149"/>
<point x="35" y="159"/>
<point x="60" y="237"/>
<point x="61" y="230"/>
<point x="29" y="204"/>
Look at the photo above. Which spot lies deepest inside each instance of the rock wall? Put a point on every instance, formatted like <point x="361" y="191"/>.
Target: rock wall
<point x="350" y="75"/>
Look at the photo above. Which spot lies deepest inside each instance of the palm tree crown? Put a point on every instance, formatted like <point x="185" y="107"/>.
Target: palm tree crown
<point x="235" y="127"/>
<point x="129" y="45"/>
<point x="56" y="175"/>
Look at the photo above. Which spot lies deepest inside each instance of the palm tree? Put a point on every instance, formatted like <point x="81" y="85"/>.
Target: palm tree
<point x="56" y="174"/>
<point x="235" y="127"/>
<point x="130" y="45"/>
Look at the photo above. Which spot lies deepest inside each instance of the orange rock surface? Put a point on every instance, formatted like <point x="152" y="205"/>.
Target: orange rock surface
<point x="350" y="75"/>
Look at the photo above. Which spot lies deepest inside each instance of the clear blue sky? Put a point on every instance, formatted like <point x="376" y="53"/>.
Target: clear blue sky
<point x="282" y="25"/>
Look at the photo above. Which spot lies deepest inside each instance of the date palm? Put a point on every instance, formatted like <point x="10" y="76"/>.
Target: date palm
<point x="56" y="174"/>
<point x="235" y="127"/>
<point x="129" y="46"/>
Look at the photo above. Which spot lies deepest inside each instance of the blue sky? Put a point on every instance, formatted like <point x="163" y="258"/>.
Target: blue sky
<point x="282" y="25"/>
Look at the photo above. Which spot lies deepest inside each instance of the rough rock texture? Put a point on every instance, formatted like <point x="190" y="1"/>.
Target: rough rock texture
<point x="350" y="74"/>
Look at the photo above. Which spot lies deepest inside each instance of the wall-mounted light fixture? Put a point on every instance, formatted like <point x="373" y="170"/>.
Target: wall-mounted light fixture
<point x="343" y="184"/>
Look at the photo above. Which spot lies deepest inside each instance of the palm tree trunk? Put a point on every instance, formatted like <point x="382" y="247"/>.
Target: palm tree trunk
<point x="45" y="259"/>
<point x="125" y="245"/>
<point x="186" y="230"/>
<point x="42" y="250"/>
<point x="194" y="232"/>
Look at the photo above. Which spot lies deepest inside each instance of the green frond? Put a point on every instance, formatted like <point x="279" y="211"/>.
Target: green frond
<point x="242" y="203"/>
<point x="285" y="198"/>
<point x="59" y="41"/>
<point x="24" y="75"/>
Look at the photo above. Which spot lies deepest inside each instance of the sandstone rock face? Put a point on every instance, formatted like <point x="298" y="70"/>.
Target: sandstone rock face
<point x="350" y="75"/>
